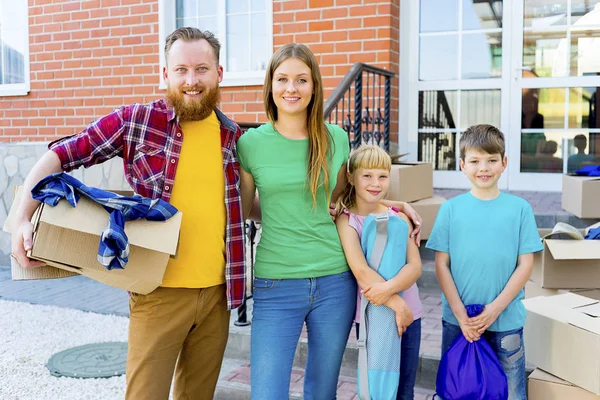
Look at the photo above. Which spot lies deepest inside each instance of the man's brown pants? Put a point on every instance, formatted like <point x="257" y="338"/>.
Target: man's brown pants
<point x="187" y="327"/>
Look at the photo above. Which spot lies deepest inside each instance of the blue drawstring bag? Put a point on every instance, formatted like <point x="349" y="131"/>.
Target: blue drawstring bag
<point x="471" y="371"/>
<point x="589" y="170"/>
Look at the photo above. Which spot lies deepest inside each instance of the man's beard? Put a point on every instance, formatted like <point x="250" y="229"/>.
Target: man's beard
<point x="191" y="109"/>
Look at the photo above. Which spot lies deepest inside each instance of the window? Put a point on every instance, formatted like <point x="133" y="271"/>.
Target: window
<point x="14" y="48"/>
<point x="244" y="28"/>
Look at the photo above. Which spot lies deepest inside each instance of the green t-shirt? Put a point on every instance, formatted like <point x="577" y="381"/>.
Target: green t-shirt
<point x="297" y="239"/>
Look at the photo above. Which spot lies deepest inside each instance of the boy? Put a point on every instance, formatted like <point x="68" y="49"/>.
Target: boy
<point x="484" y="242"/>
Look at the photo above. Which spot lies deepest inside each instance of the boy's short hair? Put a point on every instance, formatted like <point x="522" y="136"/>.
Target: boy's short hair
<point x="482" y="137"/>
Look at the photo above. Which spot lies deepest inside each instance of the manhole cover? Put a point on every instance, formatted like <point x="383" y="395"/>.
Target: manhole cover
<point x="97" y="360"/>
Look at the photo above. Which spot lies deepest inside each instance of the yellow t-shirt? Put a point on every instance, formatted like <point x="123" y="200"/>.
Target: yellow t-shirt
<point x="199" y="193"/>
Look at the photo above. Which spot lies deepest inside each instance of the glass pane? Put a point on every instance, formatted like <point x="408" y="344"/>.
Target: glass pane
<point x="196" y="8"/>
<point x="438" y="57"/>
<point x="259" y="51"/>
<point x="482" y="15"/>
<point x="439" y="15"/>
<point x="583" y="108"/>
<point x="237" y="6"/>
<point x="258" y="5"/>
<point x="479" y="107"/>
<point x="238" y="43"/>
<point x="438" y="109"/>
<point x="585" y="52"/>
<point x="543" y="108"/>
<point x="186" y="8"/>
<point x="12" y="42"/>
<point x="542" y="152"/>
<point x="544" y="54"/>
<point x="585" y="12"/>
<point x="544" y="13"/>
<point x="438" y="148"/>
<point x="583" y="149"/>
<point x="482" y="55"/>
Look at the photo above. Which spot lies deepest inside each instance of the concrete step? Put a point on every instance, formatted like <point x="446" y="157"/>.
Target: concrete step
<point x="238" y="346"/>
<point x="234" y="384"/>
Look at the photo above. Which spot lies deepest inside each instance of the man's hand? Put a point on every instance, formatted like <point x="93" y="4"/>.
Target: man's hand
<point x="21" y="243"/>
<point x="378" y="293"/>
<point x="484" y="320"/>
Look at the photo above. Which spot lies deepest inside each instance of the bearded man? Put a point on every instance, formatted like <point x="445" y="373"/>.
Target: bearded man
<point x="182" y="327"/>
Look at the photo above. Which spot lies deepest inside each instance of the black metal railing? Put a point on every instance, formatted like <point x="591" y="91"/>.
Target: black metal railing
<point x="361" y="105"/>
<point x="436" y="147"/>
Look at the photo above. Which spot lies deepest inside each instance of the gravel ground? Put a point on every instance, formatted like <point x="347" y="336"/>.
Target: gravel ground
<point x="31" y="334"/>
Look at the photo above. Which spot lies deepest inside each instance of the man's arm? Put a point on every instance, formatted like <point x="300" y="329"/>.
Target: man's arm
<point x="444" y="276"/>
<point x="22" y="229"/>
<point x="516" y="282"/>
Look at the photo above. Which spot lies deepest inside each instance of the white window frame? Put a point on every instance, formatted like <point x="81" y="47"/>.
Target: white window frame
<point x="21" y="89"/>
<point x="167" y="24"/>
<point x="410" y="86"/>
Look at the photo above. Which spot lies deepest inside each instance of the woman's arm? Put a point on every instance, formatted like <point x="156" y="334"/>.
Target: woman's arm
<point x="411" y="214"/>
<point x="340" y="185"/>
<point x="249" y="199"/>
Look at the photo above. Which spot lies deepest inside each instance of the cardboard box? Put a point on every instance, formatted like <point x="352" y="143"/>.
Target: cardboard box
<point x="411" y="181"/>
<point x="580" y="195"/>
<point x="567" y="264"/>
<point x="562" y="336"/>
<point x="543" y="386"/>
<point x="67" y="240"/>
<point x="533" y="289"/>
<point x="428" y="209"/>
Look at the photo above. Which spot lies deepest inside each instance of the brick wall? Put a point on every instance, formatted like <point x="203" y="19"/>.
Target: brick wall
<point x="88" y="57"/>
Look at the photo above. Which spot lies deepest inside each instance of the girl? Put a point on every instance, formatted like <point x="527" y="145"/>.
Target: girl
<point x="301" y="275"/>
<point x="368" y="183"/>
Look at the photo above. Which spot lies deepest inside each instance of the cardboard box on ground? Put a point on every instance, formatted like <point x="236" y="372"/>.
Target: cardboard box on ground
<point x="567" y="264"/>
<point x="544" y="386"/>
<point x="562" y="336"/>
<point x="580" y="195"/>
<point x="428" y="210"/>
<point x="67" y="240"/>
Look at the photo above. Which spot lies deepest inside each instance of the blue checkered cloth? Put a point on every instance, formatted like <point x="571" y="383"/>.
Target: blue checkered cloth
<point x="113" y="251"/>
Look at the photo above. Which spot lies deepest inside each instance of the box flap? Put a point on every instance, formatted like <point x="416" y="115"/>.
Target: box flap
<point x="583" y="177"/>
<point x="435" y="200"/>
<point x="540" y="375"/>
<point x="574" y="249"/>
<point x="559" y="307"/>
<point x="397" y="157"/>
<point x="90" y="217"/>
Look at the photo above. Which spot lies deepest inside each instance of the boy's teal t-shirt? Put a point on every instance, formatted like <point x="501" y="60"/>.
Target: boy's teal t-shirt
<point x="297" y="239"/>
<point x="484" y="239"/>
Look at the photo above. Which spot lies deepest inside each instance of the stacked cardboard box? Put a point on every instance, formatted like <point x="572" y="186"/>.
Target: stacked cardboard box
<point x="562" y="332"/>
<point x="412" y="182"/>
<point x="67" y="240"/>
<point x="580" y="195"/>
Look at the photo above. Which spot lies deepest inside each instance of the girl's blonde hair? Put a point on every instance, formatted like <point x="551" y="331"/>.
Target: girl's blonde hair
<point x="319" y="138"/>
<point x="365" y="157"/>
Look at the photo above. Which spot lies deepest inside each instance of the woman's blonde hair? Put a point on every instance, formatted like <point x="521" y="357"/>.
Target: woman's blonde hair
<point x="319" y="138"/>
<point x="365" y="157"/>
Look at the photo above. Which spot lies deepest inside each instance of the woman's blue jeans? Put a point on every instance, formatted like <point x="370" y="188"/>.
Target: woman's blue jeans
<point x="281" y="307"/>
<point x="510" y="350"/>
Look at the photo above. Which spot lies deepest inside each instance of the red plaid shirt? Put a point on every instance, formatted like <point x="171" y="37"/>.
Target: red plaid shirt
<point x="148" y="138"/>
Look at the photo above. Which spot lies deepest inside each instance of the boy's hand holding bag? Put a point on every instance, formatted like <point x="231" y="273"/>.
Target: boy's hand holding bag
<point x="471" y="371"/>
